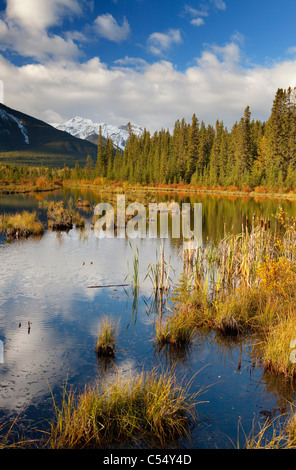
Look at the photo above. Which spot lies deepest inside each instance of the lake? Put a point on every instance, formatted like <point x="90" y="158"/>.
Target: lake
<point x="46" y="281"/>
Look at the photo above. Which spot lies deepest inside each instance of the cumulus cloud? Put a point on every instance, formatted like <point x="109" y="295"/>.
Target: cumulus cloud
<point x="107" y="27"/>
<point x="44" y="46"/>
<point x="24" y="28"/>
<point x="197" y="21"/>
<point x="153" y="95"/>
<point x="160" y="43"/>
<point x="39" y="14"/>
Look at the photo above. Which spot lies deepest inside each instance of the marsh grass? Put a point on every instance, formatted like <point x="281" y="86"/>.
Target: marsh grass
<point x="106" y="340"/>
<point x="275" y="433"/>
<point x="134" y="272"/>
<point x="245" y="284"/>
<point x="147" y="408"/>
<point x="61" y="218"/>
<point x="177" y="330"/>
<point x="159" y="272"/>
<point x="21" y="225"/>
<point x="277" y="350"/>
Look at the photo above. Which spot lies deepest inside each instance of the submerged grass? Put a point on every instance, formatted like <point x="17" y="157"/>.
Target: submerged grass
<point x="147" y="408"/>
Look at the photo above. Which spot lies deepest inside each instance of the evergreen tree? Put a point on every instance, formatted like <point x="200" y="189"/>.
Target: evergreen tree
<point x="101" y="160"/>
<point x="193" y="149"/>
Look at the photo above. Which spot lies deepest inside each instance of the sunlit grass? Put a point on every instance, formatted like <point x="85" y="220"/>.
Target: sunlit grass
<point x="21" y="224"/>
<point x="106" y="338"/>
<point x="245" y="283"/>
<point x="61" y="218"/>
<point x="143" y="408"/>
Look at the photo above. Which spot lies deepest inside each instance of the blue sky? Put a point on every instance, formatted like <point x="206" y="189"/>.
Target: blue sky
<point x="146" y="61"/>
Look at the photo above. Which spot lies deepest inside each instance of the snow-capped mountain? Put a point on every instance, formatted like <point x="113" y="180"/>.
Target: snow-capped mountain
<point x="88" y="130"/>
<point x="32" y="140"/>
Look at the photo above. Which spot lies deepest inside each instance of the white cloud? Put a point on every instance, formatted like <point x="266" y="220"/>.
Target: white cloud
<point x="25" y="24"/>
<point x="219" y="4"/>
<point x="107" y="27"/>
<point x="230" y="53"/>
<point x="136" y="63"/>
<point x="194" y="12"/>
<point x="291" y="50"/>
<point x="198" y="15"/>
<point x="39" y="14"/>
<point x="152" y="95"/>
<point x="39" y="47"/>
<point x="159" y="43"/>
<point x="197" y="22"/>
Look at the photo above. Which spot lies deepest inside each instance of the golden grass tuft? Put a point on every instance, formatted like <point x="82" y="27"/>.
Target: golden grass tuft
<point x="147" y="408"/>
<point x="20" y="225"/>
<point x="106" y="340"/>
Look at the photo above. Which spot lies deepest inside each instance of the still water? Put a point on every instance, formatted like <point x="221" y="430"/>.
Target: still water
<point x="45" y="281"/>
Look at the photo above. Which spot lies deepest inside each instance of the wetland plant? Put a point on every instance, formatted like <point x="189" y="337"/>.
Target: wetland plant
<point x="21" y="225"/>
<point x="246" y="283"/>
<point x="106" y="340"/>
<point x="146" y="408"/>
<point x="60" y="218"/>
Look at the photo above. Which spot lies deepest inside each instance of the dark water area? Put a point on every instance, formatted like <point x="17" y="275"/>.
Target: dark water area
<point x="46" y="281"/>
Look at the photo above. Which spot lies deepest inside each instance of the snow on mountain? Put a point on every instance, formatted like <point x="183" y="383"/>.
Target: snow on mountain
<point x="6" y="116"/>
<point x="88" y="130"/>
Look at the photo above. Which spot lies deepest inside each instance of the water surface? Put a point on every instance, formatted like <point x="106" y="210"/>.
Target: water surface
<point x="46" y="280"/>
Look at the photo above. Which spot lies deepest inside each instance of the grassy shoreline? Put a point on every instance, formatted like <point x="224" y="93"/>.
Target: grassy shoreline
<point x="244" y="284"/>
<point x="186" y="190"/>
<point x="121" y="188"/>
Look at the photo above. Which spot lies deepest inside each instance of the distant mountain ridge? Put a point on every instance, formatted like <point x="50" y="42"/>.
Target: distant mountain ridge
<point x="87" y="129"/>
<point x="25" y="139"/>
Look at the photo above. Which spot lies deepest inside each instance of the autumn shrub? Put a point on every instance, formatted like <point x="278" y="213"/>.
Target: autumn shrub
<point x="42" y="182"/>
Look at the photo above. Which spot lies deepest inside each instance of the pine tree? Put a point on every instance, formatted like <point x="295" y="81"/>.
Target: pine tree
<point x="277" y="137"/>
<point x="243" y="151"/>
<point x="109" y="158"/>
<point x="101" y="160"/>
<point x="193" y="148"/>
<point x="89" y="166"/>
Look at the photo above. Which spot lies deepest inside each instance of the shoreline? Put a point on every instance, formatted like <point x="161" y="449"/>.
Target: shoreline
<point x="119" y="189"/>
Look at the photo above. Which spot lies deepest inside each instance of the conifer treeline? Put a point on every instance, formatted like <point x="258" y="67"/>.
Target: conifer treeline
<point x="251" y="154"/>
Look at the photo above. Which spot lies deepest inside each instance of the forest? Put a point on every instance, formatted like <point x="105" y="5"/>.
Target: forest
<point x="253" y="155"/>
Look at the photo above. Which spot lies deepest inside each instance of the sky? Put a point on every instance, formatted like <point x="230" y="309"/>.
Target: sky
<point x="149" y="62"/>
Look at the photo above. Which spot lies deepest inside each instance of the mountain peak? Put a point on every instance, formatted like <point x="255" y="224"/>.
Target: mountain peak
<point x="23" y="136"/>
<point x="87" y="129"/>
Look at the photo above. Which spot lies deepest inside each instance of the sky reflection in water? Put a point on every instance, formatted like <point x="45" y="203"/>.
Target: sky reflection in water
<point x="46" y="282"/>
